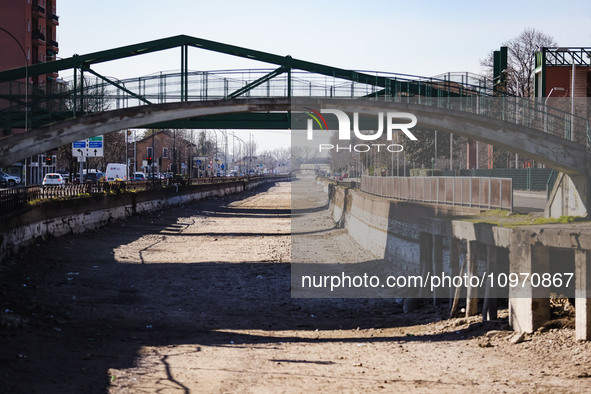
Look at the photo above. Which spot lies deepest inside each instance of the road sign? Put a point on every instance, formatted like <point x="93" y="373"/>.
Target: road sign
<point x="95" y="146"/>
<point x="130" y="136"/>
<point x="79" y="144"/>
<point x="91" y="147"/>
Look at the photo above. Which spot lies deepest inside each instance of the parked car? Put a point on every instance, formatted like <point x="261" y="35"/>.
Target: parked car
<point x="64" y="174"/>
<point x="53" y="179"/>
<point x="94" y="177"/>
<point x="10" y="179"/>
<point x="138" y="176"/>
<point x="3" y="182"/>
<point x="155" y="176"/>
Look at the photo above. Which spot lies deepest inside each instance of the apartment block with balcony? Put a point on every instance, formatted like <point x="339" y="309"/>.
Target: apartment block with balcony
<point x="30" y="26"/>
<point x="28" y="35"/>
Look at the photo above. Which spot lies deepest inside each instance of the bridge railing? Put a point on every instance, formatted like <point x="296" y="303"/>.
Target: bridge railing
<point x="488" y="193"/>
<point x="92" y="94"/>
<point x="96" y="95"/>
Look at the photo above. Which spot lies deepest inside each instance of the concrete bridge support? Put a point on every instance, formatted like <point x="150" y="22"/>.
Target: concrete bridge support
<point x="529" y="307"/>
<point x="455" y="248"/>
<point x="437" y="263"/>
<point x="431" y="252"/>
<point x="570" y="196"/>
<point x="426" y="255"/>
<point x="489" y="308"/>
<point x="583" y="295"/>
<point x="472" y="270"/>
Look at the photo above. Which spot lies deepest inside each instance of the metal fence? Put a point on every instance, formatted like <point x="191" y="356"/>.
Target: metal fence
<point x="15" y="198"/>
<point x="490" y="193"/>
<point x="533" y="179"/>
<point x="469" y="95"/>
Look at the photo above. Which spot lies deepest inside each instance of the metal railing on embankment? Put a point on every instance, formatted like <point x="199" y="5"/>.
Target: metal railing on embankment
<point x="489" y="193"/>
<point x="15" y="198"/>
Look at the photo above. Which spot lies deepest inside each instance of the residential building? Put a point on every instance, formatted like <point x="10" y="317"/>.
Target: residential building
<point x="168" y="151"/>
<point x="28" y="35"/>
<point x="33" y="23"/>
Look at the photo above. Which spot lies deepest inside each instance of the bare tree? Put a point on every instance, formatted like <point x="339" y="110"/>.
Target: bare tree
<point x="282" y="154"/>
<point x="520" y="61"/>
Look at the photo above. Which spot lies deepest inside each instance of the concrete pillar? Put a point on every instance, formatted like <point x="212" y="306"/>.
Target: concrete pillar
<point x="437" y="263"/>
<point x="583" y="295"/>
<point x="489" y="308"/>
<point x="472" y="270"/>
<point x="426" y="257"/>
<point x="529" y="307"/>
<point x="454" y="261"/>
<point x="570" y="196"/>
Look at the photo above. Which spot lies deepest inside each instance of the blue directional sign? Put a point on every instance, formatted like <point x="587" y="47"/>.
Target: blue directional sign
<point x="95" y="142"/>
<point x="91" y="147"/>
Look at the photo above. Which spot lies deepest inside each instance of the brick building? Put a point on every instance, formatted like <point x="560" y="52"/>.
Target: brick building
<point x="170" y="152"/>
<point x="28" y="36"/>
<point x="557" y="67"/>
<point x="33" y="23"/>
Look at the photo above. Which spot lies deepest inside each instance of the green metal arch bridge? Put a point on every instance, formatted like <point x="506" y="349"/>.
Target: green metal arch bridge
<point x="93" y="104"/>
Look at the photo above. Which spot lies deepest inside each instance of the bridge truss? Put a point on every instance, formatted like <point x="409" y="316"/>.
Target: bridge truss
<point x="89" y="92"/>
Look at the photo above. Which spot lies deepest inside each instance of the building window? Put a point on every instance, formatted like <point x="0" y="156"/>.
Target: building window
<point x="29" y="25"/>
<point x="165" y="153"/>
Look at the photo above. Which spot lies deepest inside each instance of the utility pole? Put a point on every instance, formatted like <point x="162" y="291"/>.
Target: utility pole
<point x="134" y="152"/>
<point x="126" y="134"/>
<point x="451" y="151"/>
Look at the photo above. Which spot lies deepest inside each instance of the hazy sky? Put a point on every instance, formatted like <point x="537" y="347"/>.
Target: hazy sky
<point x="413" y="37"/>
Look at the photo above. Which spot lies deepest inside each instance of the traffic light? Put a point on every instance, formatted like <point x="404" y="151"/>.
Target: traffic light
<point x="149" y="159"/>
<point x="160" y="161"/>
<point x="48" y="161"/>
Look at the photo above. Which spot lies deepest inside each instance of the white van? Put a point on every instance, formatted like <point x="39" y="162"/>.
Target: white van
<point x="116" y="172"/>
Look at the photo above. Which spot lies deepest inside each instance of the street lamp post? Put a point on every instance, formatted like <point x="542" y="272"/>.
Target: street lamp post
<point x="244" y="143"/>
<point x="225" y="150"/>
<point x="557" y="89"/>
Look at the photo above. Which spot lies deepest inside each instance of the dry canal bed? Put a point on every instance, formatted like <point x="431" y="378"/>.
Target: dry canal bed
<point x="196" y="299"/>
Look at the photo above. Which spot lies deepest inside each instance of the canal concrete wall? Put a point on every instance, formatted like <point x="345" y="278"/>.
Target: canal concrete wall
<point x="388" y="228"/>
<point x="57" y="218"/>
<point x="414" y="237"/>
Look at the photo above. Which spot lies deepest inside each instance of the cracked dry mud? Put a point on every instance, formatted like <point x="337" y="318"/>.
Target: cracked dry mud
<point x="196" y="298"/>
